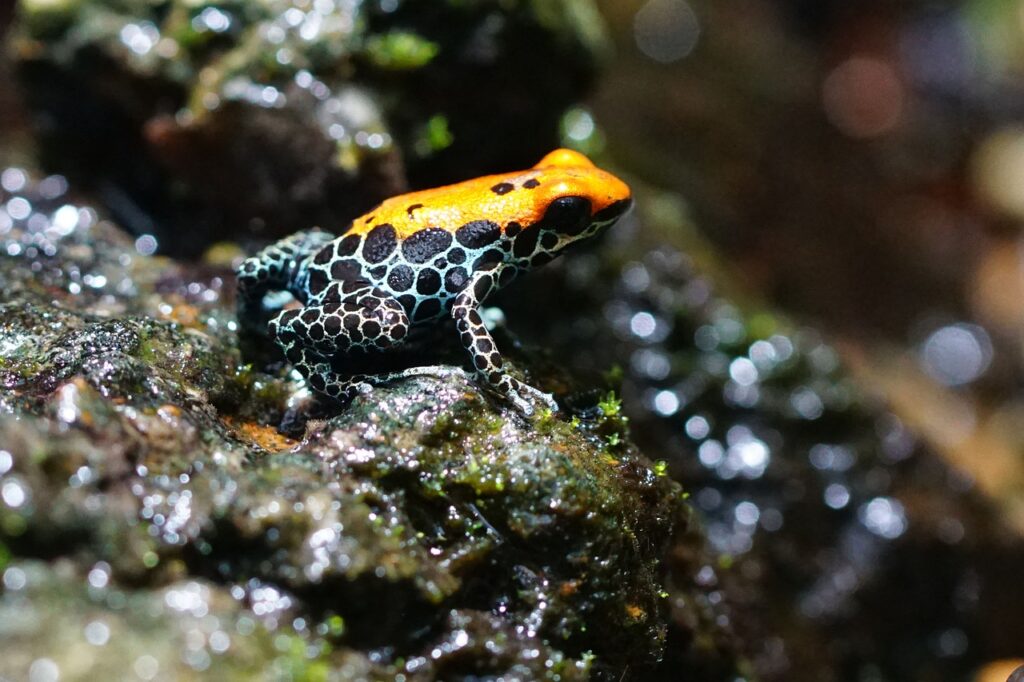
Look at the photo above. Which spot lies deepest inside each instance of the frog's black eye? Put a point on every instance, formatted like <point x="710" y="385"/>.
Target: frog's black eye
<point x="568" y="215"/>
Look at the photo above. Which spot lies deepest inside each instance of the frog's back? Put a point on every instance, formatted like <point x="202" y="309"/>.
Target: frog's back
<point x="422" y="248"/>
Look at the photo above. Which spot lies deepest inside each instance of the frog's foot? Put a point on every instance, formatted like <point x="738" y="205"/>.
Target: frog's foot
<point x="364" y="382"/>
<point x="436" y="371"/>
<point x="524" y="397"/>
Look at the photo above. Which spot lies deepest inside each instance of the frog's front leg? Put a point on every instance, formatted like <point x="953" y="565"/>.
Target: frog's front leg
<point x="275" y="268"/>
<point x="320" y="339"/>
<point x="478" y="341"/>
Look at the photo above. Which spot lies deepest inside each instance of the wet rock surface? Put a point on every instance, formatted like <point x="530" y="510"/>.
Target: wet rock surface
<point x="155" y="524"/>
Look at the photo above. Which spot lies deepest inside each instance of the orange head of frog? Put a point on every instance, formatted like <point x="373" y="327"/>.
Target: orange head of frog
<point x="572" y="198"/>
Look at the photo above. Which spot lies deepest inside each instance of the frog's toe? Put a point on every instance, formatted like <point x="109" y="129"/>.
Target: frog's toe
<point x="363" y="383"/>
<point x="443" y="372"/>
<point x="356" y="387"/>
<point x="525" y="407"/>
<point x="525" y="398"/>
<point x="548" y="401"/>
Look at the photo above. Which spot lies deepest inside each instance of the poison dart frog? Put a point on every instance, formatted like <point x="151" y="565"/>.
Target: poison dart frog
<point x="421" y="257"/>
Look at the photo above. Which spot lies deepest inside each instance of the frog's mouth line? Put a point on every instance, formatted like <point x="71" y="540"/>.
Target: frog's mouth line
<point x="600" y="221"/>
<point x="608" y="216"/>
<point x="612" y="212"/>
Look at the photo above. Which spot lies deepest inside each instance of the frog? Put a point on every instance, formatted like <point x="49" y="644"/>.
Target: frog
<point x="418" y="259"/>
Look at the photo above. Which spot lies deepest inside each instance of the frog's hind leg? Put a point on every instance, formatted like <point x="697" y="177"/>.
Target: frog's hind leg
<point x="276" y="268"/>
<point x="321" y="339"/>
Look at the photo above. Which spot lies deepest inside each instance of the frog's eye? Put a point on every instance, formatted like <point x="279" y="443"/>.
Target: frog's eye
<point x="568" y="215"/>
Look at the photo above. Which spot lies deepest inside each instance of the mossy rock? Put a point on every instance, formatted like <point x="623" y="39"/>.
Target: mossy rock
<point x="426" y="530"/>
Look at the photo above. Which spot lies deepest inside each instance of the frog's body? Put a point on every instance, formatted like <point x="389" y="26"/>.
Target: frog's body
<point x="423" y="256"/>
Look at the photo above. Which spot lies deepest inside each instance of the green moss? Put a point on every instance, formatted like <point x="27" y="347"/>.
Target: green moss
<point x="610" y="406"/>
<point x="400" y="51"/>
<point x="435" y="135"/>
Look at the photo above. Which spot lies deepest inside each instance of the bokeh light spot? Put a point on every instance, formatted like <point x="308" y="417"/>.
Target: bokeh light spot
<point x="666" y="30"/>
<point x="863" y="97"/>
<point x="956" y="354"/>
